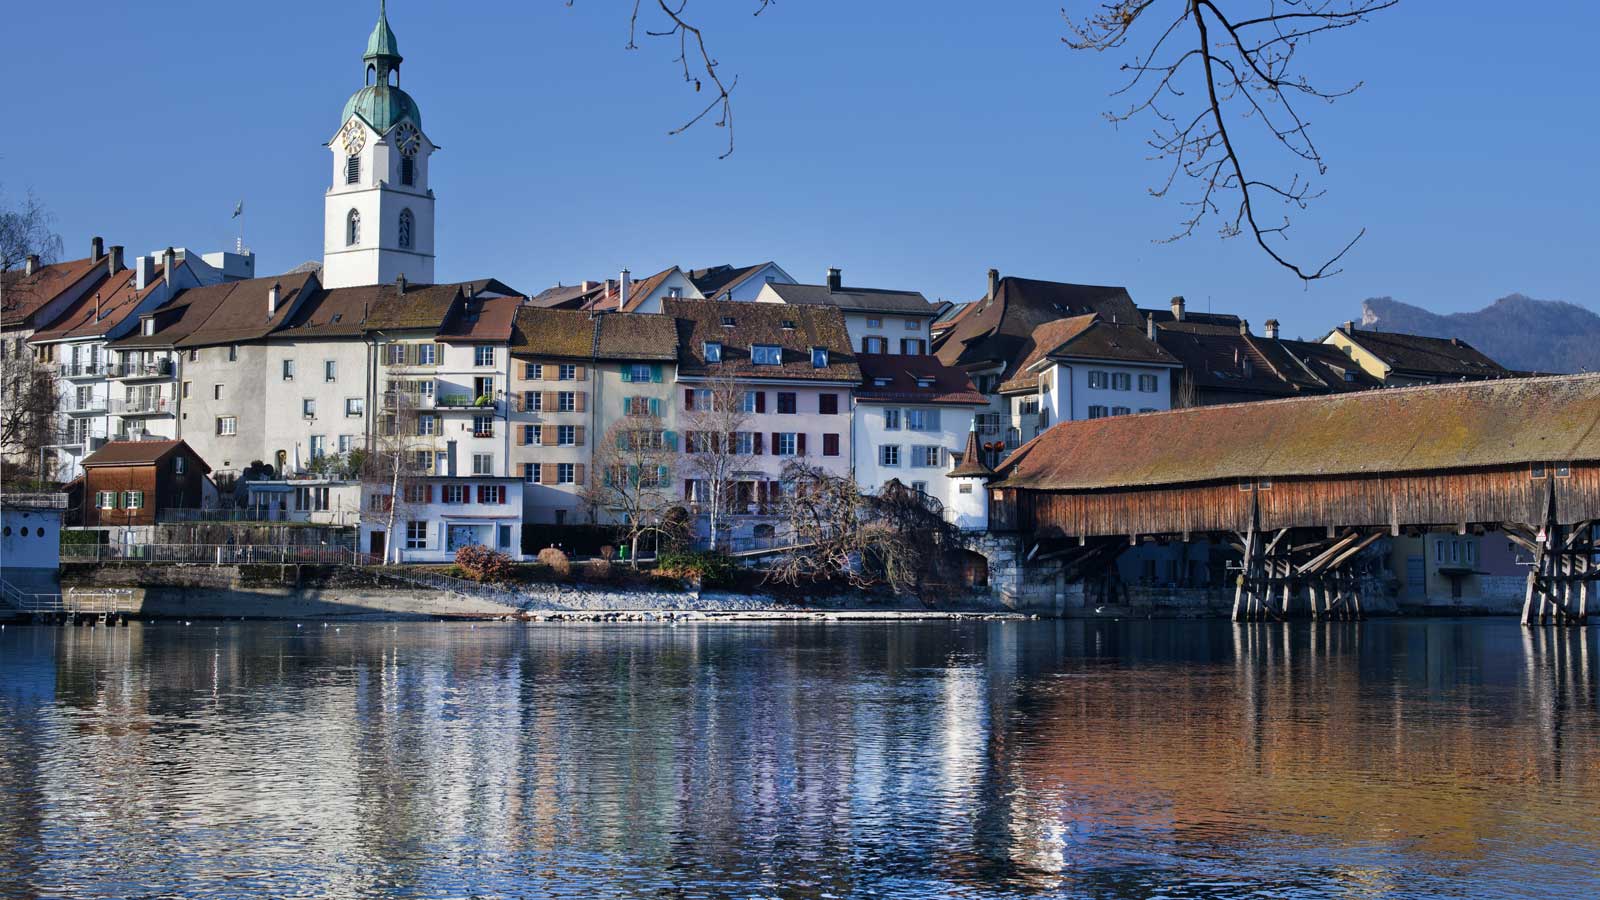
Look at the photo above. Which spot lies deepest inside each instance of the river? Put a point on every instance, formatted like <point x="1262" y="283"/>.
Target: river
<point x="1190" y="759"/>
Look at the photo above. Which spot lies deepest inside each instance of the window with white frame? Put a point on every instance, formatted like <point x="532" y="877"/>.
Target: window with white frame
<point x="347" y="442"/>
<point x="888" y="454"/>
<point x="106" y="500"/>
<point x="308" y="408"/>
<point x="873" y="322"/>
<point x="567" y="372"/>
<point x="744" y="442"/>
<point x="922" y="419"/>
<point x="416" y="535"/>
<point x="891" y="420"/>
<point x="483" y="426"/>
<point x="133" y="499"/>
<point x="566" y="435"/>
<point x="766" y="355"/>
<point x="748" y="402"/>
<point x="713" y="351"/>
<point x="483" y="463"/>
<point x="288" y="370"/>
<point x="1148" y="384"/>
<point x="227" y="426"/>
<point x="1121" y="381"/>
<point x="330" y="370"/>
<point x="355" y="406"/>
<point x="567" y="401"/>
<point x="787" y="443"/>
<point x="566" y="473"/>
<point x="453" y="493"/>
<point x="319" y="446"/>
<point x="1099" y="378"/>
<point x="1097" y="411"/>
<point x="1120" y="410"/>
<point x="639" y="372"/>
<point x="926" y="456"/>
<point x="483" y="355"/>
<point x="426" y="424"/>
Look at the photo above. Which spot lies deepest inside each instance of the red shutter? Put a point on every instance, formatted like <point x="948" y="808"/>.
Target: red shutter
<point x="755" y="438"/>
<point x="800" y="444"/>
<point x="503" y="493"/>
<point x="761" y="401"/>
<point x="775" y="444"/>
<point x="430" y="493"/>
<point x="480" y="493"/>
<point x="688" y="398"/>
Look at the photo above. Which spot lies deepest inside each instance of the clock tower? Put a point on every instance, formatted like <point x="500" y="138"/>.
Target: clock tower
<point x="378" y="215"/>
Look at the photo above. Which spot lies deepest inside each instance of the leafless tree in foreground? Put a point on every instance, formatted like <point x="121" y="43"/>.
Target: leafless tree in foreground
<point x="897" y="538"/>
<point x="636" y="462"/>
<point x="1203" y="76"/>
<point x="393" y="469"/>
<point x="714" y="451"/>
<point x="25" y="231"/>
<point x="29" y="394"/>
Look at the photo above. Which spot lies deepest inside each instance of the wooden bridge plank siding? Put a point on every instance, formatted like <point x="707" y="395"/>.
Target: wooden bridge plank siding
<point x="1443" y="500"/>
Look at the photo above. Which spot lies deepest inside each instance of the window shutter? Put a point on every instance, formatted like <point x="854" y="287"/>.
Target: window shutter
<point x="547" y="436"/>
<point x="580" y="373"/>
<point x="761" y="401"/>
<point x="800" y="444"/>
<point x="522" y="436"/>
<point x="688" y="398"/>
<point x="627" y="373"/>
<point x="551" y="401"/>
<point x="622" y="440"/>
<point x="580" y="403"/>
<point x="670" y="439"/>
<point x="578" y="435"/>
<point x="932" y="419"/>
<point x="655" y="406"/>
<point x="663" y="474"/>
<point x="577" y="474"/>
<point x="427" y="493"/>
<point x="775" y="444"/>
<point x="755" y="439"/>
<point x="501" y="495"/>
<point x="655" y="373"/>
<point x="605" y="478"/>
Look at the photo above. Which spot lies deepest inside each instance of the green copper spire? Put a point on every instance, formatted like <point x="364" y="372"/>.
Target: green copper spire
<point x="382" y="44"/>
<point x="381" y="102"/>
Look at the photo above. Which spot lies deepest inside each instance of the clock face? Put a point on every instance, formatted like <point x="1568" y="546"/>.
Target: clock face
<point x="354" y="137"/>
<point x="408" y="139"/>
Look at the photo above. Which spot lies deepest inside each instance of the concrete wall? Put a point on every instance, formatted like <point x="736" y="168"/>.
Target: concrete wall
<point x="287" y="427"/>
<point x="244" y="382"/>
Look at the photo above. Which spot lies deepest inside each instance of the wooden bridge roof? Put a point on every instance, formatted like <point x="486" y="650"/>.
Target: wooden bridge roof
<point x="1441" y="427"/>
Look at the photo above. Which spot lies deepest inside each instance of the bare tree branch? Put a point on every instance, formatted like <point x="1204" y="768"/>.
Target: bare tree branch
<point x="1246" y="68"/>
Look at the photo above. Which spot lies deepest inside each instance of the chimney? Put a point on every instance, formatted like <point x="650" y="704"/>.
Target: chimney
<point x="1177" y="309"/>
<point x="624" y="283"/>
<point x="400" y="284"/>
<point x="167" y="257"/>
<point x="115" y="265"/>
<point x="97" y="247"/>
<point x="1244" y="326"/>
<point x="143" y="268"/>
<point x="834" y="279"/>
<point x="1348" y="327"/>
<point x="1272" y="329"/>
<point x="994" y="283"/>
<point x="1150" y="327"/>
<point x="272" y="300"/>
<point x="31" y="265"/>
<point x="97" y="306"/>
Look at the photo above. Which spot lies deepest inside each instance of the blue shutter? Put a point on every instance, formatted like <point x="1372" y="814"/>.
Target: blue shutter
<point x="671" y="438"/>
<point x="655" y="406"/>
<point x="655" y="373"/>
<point x="663" y="475"/>
<point x="633" y="476"/>
<point x="627" y="373"/>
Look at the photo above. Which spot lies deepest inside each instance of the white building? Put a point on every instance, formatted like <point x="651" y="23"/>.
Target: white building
<point x="912" y="418"/>
<point x="879" y="320"/>
<point x="378" y="213"/>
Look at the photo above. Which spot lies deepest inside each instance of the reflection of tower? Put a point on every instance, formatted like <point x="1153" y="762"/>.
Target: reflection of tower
<point x="378" y="214"/>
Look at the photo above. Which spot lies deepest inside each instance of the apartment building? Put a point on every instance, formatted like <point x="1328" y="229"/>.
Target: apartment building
<point x="552" y="385"/>
<point x="879" y="321"/>
<point x="793" y="370"/>
<point x="912" y="418"/>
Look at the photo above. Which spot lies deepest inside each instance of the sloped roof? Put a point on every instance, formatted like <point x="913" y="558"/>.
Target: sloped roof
<point x="714" y="280"/>
<point x="1088" y="337"/>
<point x="641" y="336"/>
<point x="480" y="319"/>
<point x="22" y="295"/>
<point x="999" y="329"/>
<point x="1414" y="353"/>
<point x="423" y="305"/>
<point x="643" y="288"/>
<point x="1331" y="366"/>
<point x="331" y="312"/>
<point x="567" y="333"/>
<point x="136" y="453"/>
<point x="241" y="314"/>
<point x="972" y="464"/>
<point x="855" y="299"/>
<point x="949" y="384"/>
<point x="102" y="307"/>
<point x="565" y="296"/>
<point x="1218" y="357"/>
<point x="1452" y="426"/>
<point x="699" y="321"/>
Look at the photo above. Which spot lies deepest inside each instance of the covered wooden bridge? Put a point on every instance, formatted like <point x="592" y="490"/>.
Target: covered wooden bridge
<point x="1301" y="486"/>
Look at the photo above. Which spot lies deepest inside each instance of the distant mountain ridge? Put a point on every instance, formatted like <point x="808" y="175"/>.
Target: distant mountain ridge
<point x="1516" y="331"/>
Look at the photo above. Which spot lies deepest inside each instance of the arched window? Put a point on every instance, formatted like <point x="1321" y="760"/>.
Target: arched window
<point x="352" y="229"/>
<point x="407" y="221"/>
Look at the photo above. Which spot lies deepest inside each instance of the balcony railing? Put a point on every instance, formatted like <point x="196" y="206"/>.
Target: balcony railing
<point x="215" y="554"/>
<point x="159" y="369"/>
<point x="84" y="370"/>
<point x="155" y="406"/>
<point x="264" y="513"/>
<point x="88" y="407"/>
<point x="410" y="399"/>
<point x="463" y="401"/>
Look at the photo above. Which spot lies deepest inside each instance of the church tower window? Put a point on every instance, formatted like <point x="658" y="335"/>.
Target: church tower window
<point x="406" y="223"/>
<point x="408" y="170"/>
<point x="352" y="229"/>
<point x="352" y="169"/>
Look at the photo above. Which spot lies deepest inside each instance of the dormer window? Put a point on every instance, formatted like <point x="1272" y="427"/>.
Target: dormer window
<point x="148" y="325"/>
<point x="788" y="324"/>
<point x="819" y="357"/>
<point x="728" y="322"/>
<point x="713" y="351"/>
<point x="880" y="381"/>
<point x="766" y="355"/>
<point x="675" y="293"/>
<point x="924" y="382"/>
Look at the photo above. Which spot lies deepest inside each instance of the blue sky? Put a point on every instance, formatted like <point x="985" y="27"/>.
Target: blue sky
<point x="914" y="144"/>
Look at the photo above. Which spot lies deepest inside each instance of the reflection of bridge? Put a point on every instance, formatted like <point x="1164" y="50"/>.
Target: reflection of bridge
<point x="1301" y="486"/>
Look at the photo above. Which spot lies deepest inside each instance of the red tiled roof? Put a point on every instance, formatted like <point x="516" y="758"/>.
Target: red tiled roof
<point x="483" y="319"/>
<point x="102" y="307"/>
<point x="949" y="384"/>
<point x="998" y="330"/>
<point x="138" y="453"/>
<point x="23" y="295"/>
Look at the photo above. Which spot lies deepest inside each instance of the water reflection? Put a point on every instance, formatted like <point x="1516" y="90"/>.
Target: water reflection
<point x="1077" y="759"/>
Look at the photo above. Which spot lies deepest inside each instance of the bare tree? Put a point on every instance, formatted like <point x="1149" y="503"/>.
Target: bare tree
<point x="897" y="538"/>
<point x="636" y="462"/>
<point x="30" y="401"/>
<point x="25" y="230"/>
<point x="716" y="446"/>
<point x="1203" y="76"/>
<point x="392" y="468"/>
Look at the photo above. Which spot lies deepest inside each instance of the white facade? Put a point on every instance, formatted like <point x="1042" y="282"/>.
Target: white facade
<point x="1077" y="389"/>
<point x="914" y="443"/>
<point x="367" y="236"/>
<point x="445" y="515"/>
<point x="675" y="285"/>
<point x="317" y="400"/>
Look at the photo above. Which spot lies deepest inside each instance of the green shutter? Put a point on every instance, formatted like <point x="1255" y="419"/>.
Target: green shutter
<point x="633" y="476"/>
<point x="655" y="373"/>
<point x="627" y="373"/>
<point x="671" y="437"/>
<point x="655" y="406"/>
<point x="663" y="475"/>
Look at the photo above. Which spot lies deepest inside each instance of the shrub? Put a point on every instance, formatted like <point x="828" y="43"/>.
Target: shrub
<point x="711" y="569"/>
<point x="598" y="569"/>
<point x="482" y="564"/>
<point x="608" y="552"/>
<point x="557" y="561"/>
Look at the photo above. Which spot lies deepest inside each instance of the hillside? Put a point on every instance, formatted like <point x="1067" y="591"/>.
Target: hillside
<point x="1518" y="332"/>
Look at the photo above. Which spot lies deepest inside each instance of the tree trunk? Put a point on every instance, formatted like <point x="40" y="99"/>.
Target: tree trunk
<point x="394" y="503"/>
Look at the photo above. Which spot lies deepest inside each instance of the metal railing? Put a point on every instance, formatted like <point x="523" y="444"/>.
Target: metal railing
<point x="216" y="554"/>
<point x="34" y="500"/>
<point x="159" y="369"/>
<point x="266" y="514"/>
<point x="141" y="406"/>
<point x="84" y="370"/>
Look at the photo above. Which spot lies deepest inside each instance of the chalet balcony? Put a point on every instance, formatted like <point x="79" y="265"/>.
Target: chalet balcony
<point x="134" y="370"/>
<point x="84" y="370"/>
<point x="142" y="406"/>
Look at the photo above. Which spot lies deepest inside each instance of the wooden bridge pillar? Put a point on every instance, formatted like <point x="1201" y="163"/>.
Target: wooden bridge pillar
<point x="1557" y="591"/>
